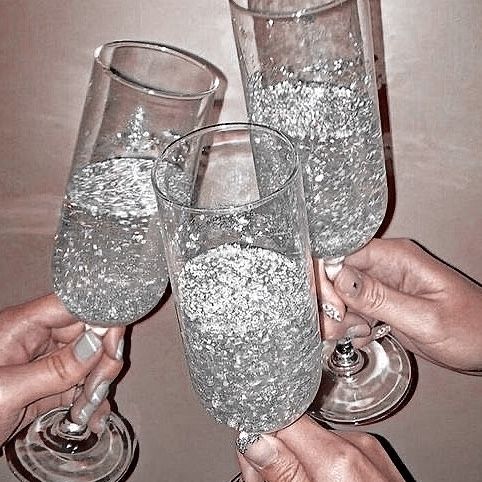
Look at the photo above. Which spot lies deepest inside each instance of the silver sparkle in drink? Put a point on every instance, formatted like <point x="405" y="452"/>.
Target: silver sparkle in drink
<point x="329" y="113"/>
<point x="250" y="330"/>
<point x="108" y="268"/>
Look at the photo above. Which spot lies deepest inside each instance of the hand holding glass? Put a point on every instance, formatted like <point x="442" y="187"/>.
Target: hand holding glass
<point x="108" y="262"/>
<point x="307" y="70"/>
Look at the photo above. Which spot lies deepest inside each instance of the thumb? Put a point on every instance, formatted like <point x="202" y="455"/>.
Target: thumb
<point x="55" y="373"/>
<point x="372" y="298"/>
<point x="272" y="459"/>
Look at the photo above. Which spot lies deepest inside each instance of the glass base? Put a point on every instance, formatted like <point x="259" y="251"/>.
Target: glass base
<point x="41" y="453"/>
<point x="372" y="393"/>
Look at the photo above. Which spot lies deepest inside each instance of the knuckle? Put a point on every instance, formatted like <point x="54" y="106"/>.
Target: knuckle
<point x="408" y="247"/>
<point x="433" y="319"/>
<point x="367" y="442"/>
<point x="375" y="297"/>
<point x="291" y="471"/>
<point x="58" y="367"/>
<point x="348" y="462"/>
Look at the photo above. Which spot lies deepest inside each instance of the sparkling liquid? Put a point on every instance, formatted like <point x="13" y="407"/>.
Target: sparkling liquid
<point x="250" y="329"/>
<point x="108" y="263"/>
<point x="329" y="113"/>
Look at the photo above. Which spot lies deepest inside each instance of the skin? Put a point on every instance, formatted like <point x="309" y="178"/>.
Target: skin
<point x="39" y="369"/>
<point x="305" y="452"/>
<point x="433" y="311"/>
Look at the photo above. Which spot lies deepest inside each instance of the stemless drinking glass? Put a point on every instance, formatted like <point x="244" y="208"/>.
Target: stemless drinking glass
<point x="307" y="70"/>
<point x="237" y="248"/>
<point x="108" y="263"/>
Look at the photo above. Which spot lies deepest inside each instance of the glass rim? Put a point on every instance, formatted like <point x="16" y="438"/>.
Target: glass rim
<point x="225" y="127"/>
<point x="291" y="14"/>
<point x="189" y="57"/>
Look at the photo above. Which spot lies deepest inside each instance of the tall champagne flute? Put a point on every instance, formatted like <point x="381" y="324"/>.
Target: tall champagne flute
<point x="307" y="70"/>
<point x="108" y="261"/>
<point x="237" y="248"/>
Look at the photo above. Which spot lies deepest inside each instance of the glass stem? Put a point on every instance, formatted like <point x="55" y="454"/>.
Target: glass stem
<point x="67" y="436"/>
<point x="345" y="359"/>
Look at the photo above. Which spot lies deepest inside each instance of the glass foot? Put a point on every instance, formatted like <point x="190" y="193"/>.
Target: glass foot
<point x="370" y="394"/>
<point x="40" y="453"/>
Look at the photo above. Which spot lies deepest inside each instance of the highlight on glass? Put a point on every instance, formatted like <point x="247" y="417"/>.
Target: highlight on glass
<point x="108" y="263"/>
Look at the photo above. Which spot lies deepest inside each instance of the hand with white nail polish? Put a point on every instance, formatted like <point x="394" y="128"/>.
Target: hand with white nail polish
<point x="432" y="309"/>
<point x="45" y="352"/>
<point x="306" y="452"/>
<point x="91" y="407"/>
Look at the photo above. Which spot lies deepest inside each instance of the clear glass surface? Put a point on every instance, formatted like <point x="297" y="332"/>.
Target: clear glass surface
<point x="370" y="393"/>
<point x="82" y="454"/>
<point x="308" y="70"/>
<point x="235" y="231"/>
<point x="108" y="265"/>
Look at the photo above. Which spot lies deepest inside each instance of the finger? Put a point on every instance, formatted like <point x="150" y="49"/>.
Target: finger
<point x="44" y="312"/>
<point x="353" y="326"/>
<point x="55" y="373"/>
<point x="374" y="451"/>
<point x="97" y="384"/>
<point x="272" y="459"/>
<point x="248" y="471"/>
<point x="379" y="257"/>
<point x="113" y="342"/>
<point x="367" y="295"/>
<point x="332" y="307"/>
<point x="303" y="438"/>
<point x="341" y="459"/>
<point x="361" y="329"/>
<point x="96" y="388"/>
<point x="33" y="325"/>
<point x="99" y="419"/>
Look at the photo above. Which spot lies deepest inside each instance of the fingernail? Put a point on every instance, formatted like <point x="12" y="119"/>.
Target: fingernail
<point x="358" y="331"/>
<point x="100" y="392"/>
<point x="244" y="439"/>
<point x="98" y="330"/>
<point x="87" y="345"/>
<point x="257" y="449"/>
<point x="120" y="349"/>
<point x="87" y="410"/>
<point x="331" y="312"/>
<point x="349" y="281"/>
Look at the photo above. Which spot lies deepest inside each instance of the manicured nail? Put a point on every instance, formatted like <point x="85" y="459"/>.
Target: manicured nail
<point x="332" y="270"/>
<point x="244" y="439"/>
<point x="259" y="451"/>
<point x="331" y="312"/>
<point x="87" y="345"/>
<point x="100" y="392"/>
<point x="87" y="410"/>
<point x="349" y="281"/>
<point x="120" y="350"/>
<point x="98" y="330"/>
<point x="358" y="331"/>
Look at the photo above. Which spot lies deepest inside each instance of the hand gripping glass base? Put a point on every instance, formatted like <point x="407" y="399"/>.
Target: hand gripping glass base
<point x="43" y="453"/>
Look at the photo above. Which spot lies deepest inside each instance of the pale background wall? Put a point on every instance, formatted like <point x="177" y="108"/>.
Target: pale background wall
<point x="433" y="64"/>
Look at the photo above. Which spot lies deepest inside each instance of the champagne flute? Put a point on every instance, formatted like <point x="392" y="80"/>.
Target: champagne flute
<point x="237" y="248"/>
<point x="108" y="262"/>
<point x="307" y="70"/>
